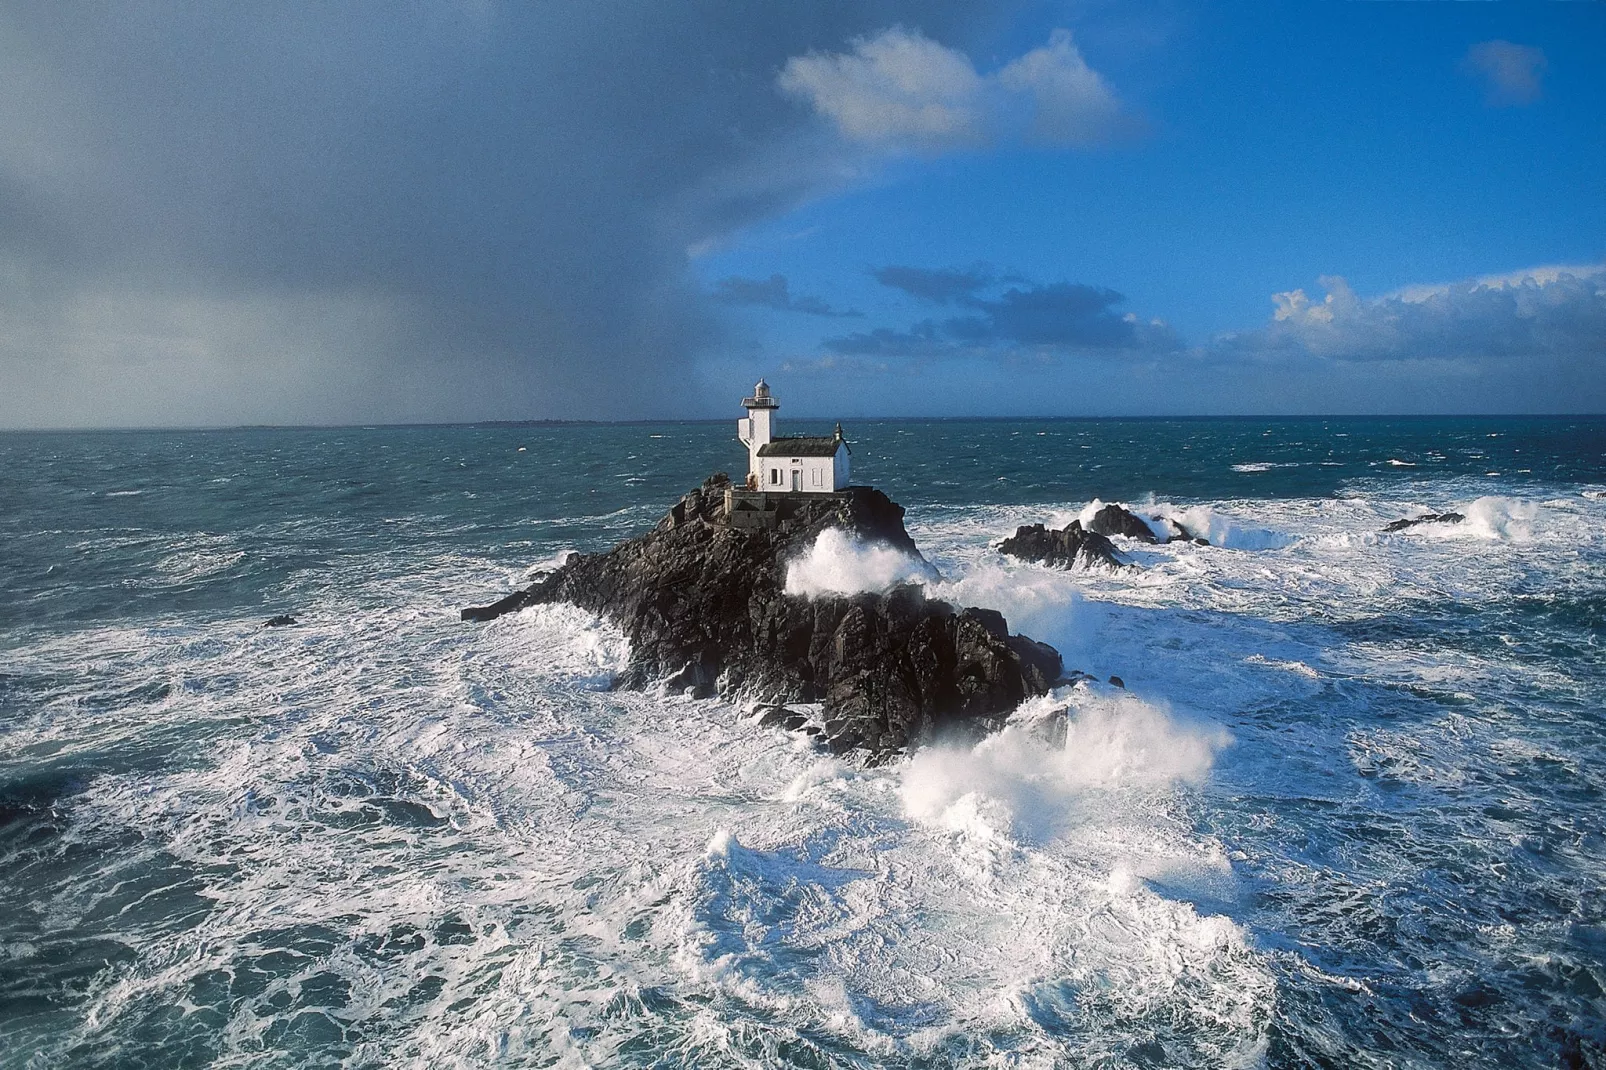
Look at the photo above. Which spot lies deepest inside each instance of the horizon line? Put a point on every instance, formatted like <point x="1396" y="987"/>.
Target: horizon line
<point x="1149" y="418"/>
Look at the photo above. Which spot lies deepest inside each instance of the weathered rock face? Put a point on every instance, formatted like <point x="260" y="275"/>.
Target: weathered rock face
<point x="1114" y="520"/>
<point x="702" y="602"/>
<point x="1070" y="547"/>
<point x="1425" y="518"/>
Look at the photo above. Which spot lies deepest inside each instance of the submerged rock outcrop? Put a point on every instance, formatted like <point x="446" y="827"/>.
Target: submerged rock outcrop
<point x="1425" y="518"/>
<point x="1070" y="547"/>
<point x="702" y="599"/>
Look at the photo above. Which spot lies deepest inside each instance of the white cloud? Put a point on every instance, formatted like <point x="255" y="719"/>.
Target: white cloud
<point x="902" y="91"/>
<point x="1073" y="106"/>
<point x="1537" y="276"/>
<point x="1550" y="311"/>
<point x="895" y="89"/>
<point x="1511" y="74"/>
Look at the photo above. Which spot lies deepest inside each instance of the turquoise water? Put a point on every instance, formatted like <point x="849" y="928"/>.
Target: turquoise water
<point x="1348" y="812"/>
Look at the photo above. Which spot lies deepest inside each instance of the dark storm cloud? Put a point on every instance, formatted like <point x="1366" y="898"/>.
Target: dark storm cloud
<point x="326" y="212"/>
<point x="773" y="292"/>
<point x="938" y="285"/>
<point x="1060" y="316"/>
<point x="923" y="339"/>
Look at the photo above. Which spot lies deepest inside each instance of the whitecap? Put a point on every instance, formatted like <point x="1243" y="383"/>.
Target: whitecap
<point x="1491" y="517"/>
<point x="1026" y="778"/>
<point x="837" y="563"/>
<point x="1222" y="529"/>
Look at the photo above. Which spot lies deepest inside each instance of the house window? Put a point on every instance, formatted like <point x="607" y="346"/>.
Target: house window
<point x="775" y="476"/>
<point x="819" y="478"/>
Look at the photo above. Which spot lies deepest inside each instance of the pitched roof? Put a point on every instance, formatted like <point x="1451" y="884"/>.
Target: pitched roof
<point x="801" y="446"/>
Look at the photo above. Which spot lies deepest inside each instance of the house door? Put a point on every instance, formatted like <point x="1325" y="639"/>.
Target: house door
<point x="797" y="480"/>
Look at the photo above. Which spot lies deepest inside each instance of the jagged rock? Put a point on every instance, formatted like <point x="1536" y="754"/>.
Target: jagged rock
<point x="1175" y="532"/>
<point x="283" y="620"/>
<point x="1070" y="547"/>
<point x="1116" y="681"/>
<point x="1118" y="520"/>
<point x="1114" y="520"/>
<point x="1425" y="518"/>
<point x="770" y="716"/>
<point x="515" y="601"/>
<point x="703" y="604"/>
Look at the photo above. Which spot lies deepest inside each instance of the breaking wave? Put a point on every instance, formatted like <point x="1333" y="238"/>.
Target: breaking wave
<point x="1340" y="813"/>
<point x="1056" y="749"/>
<point x="839" y="564"/>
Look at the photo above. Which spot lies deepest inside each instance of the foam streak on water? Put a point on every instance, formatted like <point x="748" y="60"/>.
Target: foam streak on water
<point x="1347" y="811"/>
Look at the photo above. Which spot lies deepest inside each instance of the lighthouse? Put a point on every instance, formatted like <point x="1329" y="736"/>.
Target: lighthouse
<point x="800" y="464"/>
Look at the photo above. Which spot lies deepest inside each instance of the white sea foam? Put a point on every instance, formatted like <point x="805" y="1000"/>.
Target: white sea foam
<point x="385" y="795"/>
<point x="1043" y="603"/>
<point x="837" y="563"/>
<point x="1201" y="521"/>
<point x="433" y="799"/>
<point x="1509" y="519"/>
<point x="1223" y="529"/>
<point x="1056" y="749"/>
<point x="1491" y="517"/>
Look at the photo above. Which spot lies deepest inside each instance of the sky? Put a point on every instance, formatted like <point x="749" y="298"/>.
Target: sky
<point x="475" y="210"/>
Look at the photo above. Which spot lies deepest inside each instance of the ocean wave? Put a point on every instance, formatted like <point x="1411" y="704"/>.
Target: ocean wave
<point x="1056" y="748"/>
<point x="1225" y="530"/>
<point x="1491" y="518"/>
<point x="1263" y="466"/>
<point x="836" y="564"/>
<point x="383" y="837"/>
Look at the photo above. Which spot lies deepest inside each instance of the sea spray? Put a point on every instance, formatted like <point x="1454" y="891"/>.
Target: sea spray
<point x="837" y="564"/>
<point x="1047" y="604"/>
<point x="1508" y="519"/>
<point x="384" y="838"/>
<point x="1056" y="750"/>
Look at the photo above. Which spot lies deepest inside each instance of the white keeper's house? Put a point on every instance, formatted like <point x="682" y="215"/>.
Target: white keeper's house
<point x="801" y="464"/>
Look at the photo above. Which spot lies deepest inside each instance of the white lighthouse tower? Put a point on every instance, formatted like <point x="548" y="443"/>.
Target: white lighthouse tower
<point x="799" y="464"/>
<point x="757" y="428"/>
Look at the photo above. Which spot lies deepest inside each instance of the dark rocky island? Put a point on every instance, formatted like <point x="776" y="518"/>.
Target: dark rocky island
<point x="1070" y="547"/>
<point x="1075" y="546"/>
<point x="1425" y="518"/>
<point x="1116" y="520"/>
<point x="702" y="600"/>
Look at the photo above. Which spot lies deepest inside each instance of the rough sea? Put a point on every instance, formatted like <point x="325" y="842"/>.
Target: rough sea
<point x="1350" y="810"/>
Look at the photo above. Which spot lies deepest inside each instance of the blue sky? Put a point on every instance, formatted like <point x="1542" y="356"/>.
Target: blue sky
<point x="1276" y="147"/>
<point x="477" y="210"/>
